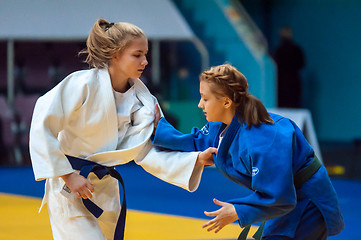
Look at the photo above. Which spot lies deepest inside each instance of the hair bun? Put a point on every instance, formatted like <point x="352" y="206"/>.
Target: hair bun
<point x="109" y="26"/>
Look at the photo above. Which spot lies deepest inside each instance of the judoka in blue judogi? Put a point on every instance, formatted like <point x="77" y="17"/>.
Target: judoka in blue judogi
<point x="292" y="191"/>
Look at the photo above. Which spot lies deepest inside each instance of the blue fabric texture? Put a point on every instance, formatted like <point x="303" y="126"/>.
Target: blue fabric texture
<point x="264" y="159"/>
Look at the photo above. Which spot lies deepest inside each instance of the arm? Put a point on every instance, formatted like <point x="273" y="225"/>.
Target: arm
<point x="167" y="136"/>
<point x="182" y="169"/>
<point x="175" y="167"/>
<point x="48" y="121"/>
<point x="50" y="117"/>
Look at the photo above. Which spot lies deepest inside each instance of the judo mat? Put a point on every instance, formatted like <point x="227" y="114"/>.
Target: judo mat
<point x="20" y="220"/>
<point x="156" y="210"/>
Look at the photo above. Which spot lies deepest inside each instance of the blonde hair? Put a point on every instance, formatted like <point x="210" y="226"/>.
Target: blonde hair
<point x="106" y="39"/>
<point x="227" y="81"/>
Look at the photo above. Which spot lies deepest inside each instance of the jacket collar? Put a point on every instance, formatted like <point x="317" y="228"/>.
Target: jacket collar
<point x="228" y="137"/>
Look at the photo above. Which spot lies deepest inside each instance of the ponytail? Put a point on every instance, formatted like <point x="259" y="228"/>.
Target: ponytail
<point x="253" y="112"/>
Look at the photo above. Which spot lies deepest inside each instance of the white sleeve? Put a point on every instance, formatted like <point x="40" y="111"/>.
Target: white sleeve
<point x="49" y="118"/>
<point x="177" y="168"/>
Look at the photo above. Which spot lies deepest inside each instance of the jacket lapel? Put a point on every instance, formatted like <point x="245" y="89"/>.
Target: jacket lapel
<point x="110" y="118"/>
<point x="227" y="139"/>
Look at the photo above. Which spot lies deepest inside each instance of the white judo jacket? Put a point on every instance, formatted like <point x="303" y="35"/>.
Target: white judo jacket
<point x="78" y="117"/>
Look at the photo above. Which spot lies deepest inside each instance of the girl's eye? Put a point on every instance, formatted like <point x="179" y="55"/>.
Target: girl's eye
<point x="140" y="55"/>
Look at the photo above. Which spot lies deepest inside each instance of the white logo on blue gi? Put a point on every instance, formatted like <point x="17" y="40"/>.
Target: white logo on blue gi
<point x="204" y="130"/>
<point x="255" y="171"/>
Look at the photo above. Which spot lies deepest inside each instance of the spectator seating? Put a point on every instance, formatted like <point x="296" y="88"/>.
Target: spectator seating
<point x="38" y="67"/>
<point x="3" y="66"/>
<point x="24" y="106"/>
<point x="33" y="63"/>
<point x="66" y="59"/>
<point x="8" y="140"/>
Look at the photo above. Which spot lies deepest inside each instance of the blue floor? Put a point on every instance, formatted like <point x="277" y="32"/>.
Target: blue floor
<point x="147" y="193"/>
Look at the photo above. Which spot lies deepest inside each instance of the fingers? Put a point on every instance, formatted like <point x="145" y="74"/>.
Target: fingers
<point x="211" y="214"/>
<point x="214" y="224"/>
<point x="218" y="229"/>
<point x="157" y="110"/>
<point x="86" y="191"/>
<point x="215" y="213"/>
<point x="157" y="114"/>
<point x="220" y="203"/>
<point x="90" y="186"/>
<point x="156" y="117"/>
<point x="86" y="194"/>
<point x="206" y="157"/>
<point x="209" y="223"/>
<point x="212" y="150"/>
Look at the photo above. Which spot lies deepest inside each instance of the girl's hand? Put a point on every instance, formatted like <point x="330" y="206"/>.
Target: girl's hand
<point x="206" y="157"/>
<point x="156" y="117"/>
<point x="225" y="215"/>
<point x="80" y="186"/>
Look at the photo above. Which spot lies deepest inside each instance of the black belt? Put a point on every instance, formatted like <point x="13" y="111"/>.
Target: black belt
<point x="299" y="179"/>
<point x="306" y="173"/>
<point x="85" y="167"/>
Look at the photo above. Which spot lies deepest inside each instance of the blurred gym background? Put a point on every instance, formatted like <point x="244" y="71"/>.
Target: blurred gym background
<point x="39" y="42"/>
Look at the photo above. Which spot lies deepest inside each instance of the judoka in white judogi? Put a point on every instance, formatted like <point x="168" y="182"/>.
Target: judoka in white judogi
<point x="83" y="117"/>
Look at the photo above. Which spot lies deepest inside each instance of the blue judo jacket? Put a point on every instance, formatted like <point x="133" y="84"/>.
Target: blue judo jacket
<point x="264" y="159"/>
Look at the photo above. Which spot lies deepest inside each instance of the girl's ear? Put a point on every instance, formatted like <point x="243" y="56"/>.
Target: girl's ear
<point x="115" y="56"/>
<point x="227" y="102"/>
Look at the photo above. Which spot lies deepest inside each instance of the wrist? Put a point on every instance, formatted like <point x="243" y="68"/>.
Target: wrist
<point x="67" y="176"/>
<point x="198" y="161"/>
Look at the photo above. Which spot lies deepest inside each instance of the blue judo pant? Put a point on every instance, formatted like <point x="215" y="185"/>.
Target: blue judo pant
<point x="311" y="227"/>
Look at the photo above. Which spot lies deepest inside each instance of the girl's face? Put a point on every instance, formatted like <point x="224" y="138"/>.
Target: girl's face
<point x="130" y="63"/>
<point x="215" y="109"/>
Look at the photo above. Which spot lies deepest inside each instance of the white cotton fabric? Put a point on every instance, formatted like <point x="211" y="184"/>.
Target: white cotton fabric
<point x="127" y="104"/>
<point x="79" y="117"/>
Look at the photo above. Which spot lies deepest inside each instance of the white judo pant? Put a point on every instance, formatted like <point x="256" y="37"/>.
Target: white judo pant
<point x="84" y="227"/>
<point x="69" y="218"/>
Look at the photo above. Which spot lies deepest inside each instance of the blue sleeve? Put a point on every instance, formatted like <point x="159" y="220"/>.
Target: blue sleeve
<point x="167" y="136"/>
<point x="274" y="193"/>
